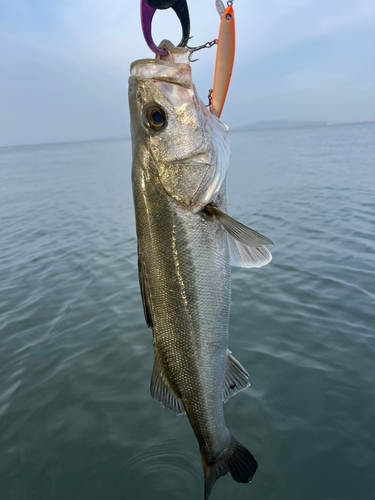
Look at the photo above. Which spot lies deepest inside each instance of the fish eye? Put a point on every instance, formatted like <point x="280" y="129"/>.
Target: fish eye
<point x="155" y="118"/>
<point x="228" y="17"/>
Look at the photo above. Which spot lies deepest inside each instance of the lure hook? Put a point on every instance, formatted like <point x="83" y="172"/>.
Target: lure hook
<point x="209" y="97"/>
<point x="207" y="45"/>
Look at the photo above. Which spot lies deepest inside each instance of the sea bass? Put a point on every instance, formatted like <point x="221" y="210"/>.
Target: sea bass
<point x="185" y="243"/>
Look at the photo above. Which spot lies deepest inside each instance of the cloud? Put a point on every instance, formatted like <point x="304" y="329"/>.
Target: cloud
<point x="270" y="26"/>
<point x="64" y="64"/>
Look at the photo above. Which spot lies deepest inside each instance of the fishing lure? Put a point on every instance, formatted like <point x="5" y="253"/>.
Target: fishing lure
<point x="224" y="57"/>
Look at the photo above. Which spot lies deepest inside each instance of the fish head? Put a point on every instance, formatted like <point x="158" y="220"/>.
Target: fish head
<point x="179" y="146"/>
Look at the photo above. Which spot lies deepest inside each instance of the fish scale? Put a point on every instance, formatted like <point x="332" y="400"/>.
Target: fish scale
<point x="190" y="303"/>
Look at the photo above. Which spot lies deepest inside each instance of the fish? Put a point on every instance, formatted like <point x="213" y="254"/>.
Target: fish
<point x="186" y="244"/>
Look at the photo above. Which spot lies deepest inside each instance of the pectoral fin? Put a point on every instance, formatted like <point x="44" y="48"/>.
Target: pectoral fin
<point x="246" y="246"/>
<point x="161" y="390"/>
<point x="243" y="256"/>
<point x="235" y="378"/>
<point x="238" y="231"/>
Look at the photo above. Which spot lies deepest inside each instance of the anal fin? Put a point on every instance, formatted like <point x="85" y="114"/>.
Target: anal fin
<point x="235" y="378"/>
<point x="161" y="390"/>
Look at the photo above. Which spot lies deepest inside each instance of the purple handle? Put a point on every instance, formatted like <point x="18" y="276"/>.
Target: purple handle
<point x="147" y="13"/>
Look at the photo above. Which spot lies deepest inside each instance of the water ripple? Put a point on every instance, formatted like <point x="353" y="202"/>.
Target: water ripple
<point x="76" y="356"/>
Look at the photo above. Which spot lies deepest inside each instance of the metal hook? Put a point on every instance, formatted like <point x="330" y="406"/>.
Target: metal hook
<point x="209" y="97"/>
<point x="148" y="9"/>
<point x="207" y="45"/>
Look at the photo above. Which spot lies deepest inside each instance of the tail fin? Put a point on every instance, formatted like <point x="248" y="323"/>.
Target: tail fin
<point x="237" y="460"/>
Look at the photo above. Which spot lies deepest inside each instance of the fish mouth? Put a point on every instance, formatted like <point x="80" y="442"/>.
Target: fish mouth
<point x="162" y="71"/>
<point x="199" y="158"/>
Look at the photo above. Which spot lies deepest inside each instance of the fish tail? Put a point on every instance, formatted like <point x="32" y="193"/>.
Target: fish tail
<point x="237" y="460"/>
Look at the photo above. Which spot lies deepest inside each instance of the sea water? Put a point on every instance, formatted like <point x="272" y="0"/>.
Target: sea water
<point x="77" y="420"/>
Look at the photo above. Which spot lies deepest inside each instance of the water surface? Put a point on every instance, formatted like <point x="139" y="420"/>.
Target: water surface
<point x="76" y="418"/>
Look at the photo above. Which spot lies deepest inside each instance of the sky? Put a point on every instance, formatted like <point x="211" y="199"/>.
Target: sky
<point x="64" y="64"/>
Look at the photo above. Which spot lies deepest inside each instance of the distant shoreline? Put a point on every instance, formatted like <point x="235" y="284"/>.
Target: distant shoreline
<point x="55" y="143"/>
<point x="294" y="124"/>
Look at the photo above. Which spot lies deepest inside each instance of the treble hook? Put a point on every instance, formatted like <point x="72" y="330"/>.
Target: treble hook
<point x="207" y="45"/>
<point x="148" y="9"/>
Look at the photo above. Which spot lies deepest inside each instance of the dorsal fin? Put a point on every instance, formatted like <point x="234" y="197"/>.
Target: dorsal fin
<point x="143" y="287"/>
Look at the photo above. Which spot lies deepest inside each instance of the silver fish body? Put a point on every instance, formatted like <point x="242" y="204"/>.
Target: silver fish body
<point x="180" y="158"/>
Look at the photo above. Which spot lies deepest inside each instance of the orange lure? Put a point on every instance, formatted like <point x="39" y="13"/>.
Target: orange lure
<point x="224" y="58"/>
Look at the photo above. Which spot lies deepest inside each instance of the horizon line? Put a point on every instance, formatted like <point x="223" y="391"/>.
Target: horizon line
<point x="322" y="123"/>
